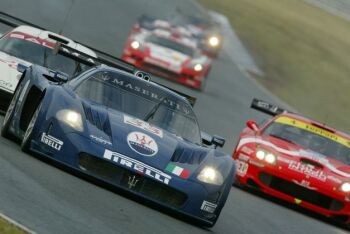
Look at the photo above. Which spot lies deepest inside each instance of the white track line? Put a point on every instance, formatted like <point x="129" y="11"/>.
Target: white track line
<point x="15" y="223"/>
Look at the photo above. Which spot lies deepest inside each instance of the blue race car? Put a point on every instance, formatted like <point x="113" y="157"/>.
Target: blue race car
<point x="125" y="131"/>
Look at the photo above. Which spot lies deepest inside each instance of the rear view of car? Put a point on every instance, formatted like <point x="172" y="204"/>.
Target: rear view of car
<point x="298" y="160"/>
<point x="26" y="45"/>
<point x="168" y="54"/>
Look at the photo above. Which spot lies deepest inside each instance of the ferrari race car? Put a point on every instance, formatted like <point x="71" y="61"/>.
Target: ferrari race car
<point x="167" y="53"/>
<point x="28" y="45"/>
<point x="298" y="160"/>
<point x="125" y="131"/>
<point x="206" y="33"/>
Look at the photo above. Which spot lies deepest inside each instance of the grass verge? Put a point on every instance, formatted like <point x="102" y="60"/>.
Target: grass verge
<point x="9" y="228"/>
<point x="303" y="51"/>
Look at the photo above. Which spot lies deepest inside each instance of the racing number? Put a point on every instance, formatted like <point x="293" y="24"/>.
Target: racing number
<point x="242" y="168"/>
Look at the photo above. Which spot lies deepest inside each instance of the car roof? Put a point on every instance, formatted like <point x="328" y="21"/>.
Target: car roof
<point x="316" y="123"/>
<point x="45" y="35"/>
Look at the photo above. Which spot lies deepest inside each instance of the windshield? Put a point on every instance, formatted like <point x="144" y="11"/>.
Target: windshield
<point x="319" y="140"/>
<point x="41" y="55"/>
<point x="170" y="44"/>
<point x="142" y="100"/>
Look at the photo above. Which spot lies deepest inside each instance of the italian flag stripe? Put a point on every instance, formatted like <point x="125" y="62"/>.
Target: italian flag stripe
<point x="179" y="171"/>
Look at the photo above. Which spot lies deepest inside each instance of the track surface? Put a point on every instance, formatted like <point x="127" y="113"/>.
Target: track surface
<point x="49" y="200"/>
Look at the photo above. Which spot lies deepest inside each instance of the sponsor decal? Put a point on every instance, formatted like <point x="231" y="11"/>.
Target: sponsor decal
<point x="304" y="183"/>
<point x="100" y="140"/>
<point x="179" y="171"/>
<point x="294" y="153"/>
<point x="242" y="168"/>
<point x="133" y="87"/>
<point x="313" y="129"/>
<point x="51" y="141"/>
<point x="137" y="166"/>
<point x="208" y="206"/>
<point x="143" y="125"/>
<point x="6" y="85"/>
<point x="308" y="170"/>
<point x="247" y="150"/>
<point x="334" y="179"/>
<point x="243" y="157"/>
<point x="142" y="144"/>
<point x="30" y="38"/>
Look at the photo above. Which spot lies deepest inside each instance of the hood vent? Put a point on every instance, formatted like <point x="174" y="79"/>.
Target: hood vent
<point x="97" y="118"/>
<point x="189" y="156"/>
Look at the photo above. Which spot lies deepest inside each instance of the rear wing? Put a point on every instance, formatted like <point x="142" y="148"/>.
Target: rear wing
<point x="81" y="57"/>
<point x="266" y="107"/>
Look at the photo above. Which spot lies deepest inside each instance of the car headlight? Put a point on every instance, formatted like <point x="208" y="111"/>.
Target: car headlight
<point x="198" y="67"/>
<point x="71" y="118"/>
<point x="266" y="156"/>
<point x="214" y="41"/>
<point x="345" y="187"/>
<point x="211" y="176"/>
<point x="135" y="45"/>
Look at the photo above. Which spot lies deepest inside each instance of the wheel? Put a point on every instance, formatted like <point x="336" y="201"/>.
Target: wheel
<point x="9" y="115"/>
<point x="27" y="138"/>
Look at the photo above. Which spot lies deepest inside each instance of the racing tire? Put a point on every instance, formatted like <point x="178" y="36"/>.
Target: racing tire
<point x="28" y="135"/>
<point x="9" y="115"/>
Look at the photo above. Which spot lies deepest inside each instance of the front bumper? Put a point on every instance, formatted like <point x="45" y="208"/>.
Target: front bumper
<point x="84" y="155"/>
<point x="185" y="77"/>
<point x="272" y="180"/>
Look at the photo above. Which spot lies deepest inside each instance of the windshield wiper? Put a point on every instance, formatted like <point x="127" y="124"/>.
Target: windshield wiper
<point x="282" y="138"/>
<point x="154" y="109"/>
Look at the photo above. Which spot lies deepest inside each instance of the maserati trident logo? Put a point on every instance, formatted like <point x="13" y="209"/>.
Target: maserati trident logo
<point x="142" y="144"/>
<point x="132" y="181"/>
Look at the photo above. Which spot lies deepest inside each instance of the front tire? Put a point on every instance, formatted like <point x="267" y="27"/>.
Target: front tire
<point x="28" y="135"/>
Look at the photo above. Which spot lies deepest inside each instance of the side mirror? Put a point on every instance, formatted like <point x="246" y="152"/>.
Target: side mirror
<point x="215" y="140"/>
<point x="21" y="67"/>
<point x="56" y="76"/>
<point x="252" y="125"/>
<point x="206" y="138"/>
<point x="218" y="141"/>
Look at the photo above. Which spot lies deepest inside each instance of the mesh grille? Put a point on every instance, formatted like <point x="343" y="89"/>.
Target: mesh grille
<point x="120" y="176"/>
<point x="300" y="192"/>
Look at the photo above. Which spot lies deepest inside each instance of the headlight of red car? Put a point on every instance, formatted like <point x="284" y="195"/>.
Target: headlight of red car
<point x="345" y="187"/>
<point x="136" y="45"/>
<point x="266" y="156"/>
<point x="195" y="66"/>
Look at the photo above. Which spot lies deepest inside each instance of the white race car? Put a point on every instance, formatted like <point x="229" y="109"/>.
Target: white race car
<point x="26" y="45"/>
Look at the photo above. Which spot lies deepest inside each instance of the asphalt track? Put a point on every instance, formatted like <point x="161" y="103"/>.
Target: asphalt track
<point x="49" y="200"/>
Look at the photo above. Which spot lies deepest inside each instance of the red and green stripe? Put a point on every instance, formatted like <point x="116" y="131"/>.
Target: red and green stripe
<point x="179" y="171"/>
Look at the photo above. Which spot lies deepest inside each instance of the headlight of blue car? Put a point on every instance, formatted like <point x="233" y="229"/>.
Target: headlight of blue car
<point x="210" y="175"/>
<point x="71" y="118"/>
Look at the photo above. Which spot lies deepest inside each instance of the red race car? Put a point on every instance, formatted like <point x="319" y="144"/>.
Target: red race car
<point x="166" y="52"/>
<point x="296" y="159"/>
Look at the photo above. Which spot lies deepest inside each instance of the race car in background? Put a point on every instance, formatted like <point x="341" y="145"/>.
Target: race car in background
<point x="26" y="45"/>
<point x="296" y="159"/>
<point x="207" y="32"/>
<point x="125" y="131"/>
<point x="203" y="31"/>
<point x="167" y="52"/>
